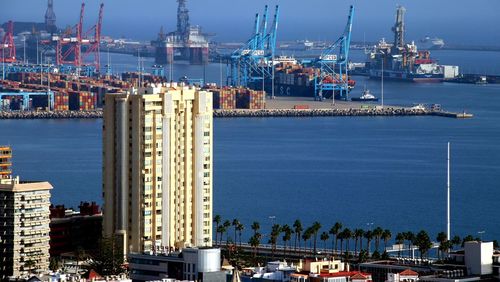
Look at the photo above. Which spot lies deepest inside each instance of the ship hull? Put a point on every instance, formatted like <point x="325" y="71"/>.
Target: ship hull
<point x="406" y="76"/>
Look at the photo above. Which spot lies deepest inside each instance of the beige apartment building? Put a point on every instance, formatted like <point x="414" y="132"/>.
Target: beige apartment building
<point x="157" y="168"/>
<point x="24" y="228"/>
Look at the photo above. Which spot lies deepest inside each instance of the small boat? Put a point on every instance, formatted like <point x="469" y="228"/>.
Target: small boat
<point x="367" y="96"/>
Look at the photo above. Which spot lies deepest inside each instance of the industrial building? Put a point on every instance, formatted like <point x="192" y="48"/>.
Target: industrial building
<point x="157" y="168"/>
<point x="24" y="232"/>
<point x="185" y="43"/>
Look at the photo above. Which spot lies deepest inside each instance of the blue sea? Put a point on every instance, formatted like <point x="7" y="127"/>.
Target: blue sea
<point x="389" y="171"/>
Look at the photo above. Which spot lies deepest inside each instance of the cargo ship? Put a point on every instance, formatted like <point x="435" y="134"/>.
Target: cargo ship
<point x="404" y="61"/>
<point x="295" y="80"/>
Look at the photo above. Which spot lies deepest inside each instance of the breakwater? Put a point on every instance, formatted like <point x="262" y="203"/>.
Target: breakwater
<point x="248" y="113"/>
<point x="51" y="115"/>
<point x="320" y="112"/>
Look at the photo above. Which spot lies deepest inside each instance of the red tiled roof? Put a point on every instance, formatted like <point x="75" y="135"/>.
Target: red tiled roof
<point x="344" y="273"/>
<point x="408" y="272"/>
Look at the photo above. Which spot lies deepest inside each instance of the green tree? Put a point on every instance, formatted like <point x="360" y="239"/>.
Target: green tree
<point x="315" y="229"/>
<point x="226" y="225"/>
<point x="217" y="221"/>
<point x="423" y="242"/>
<point x="386" y="236"/>
<point x="442" y="239"/>
<point x="347" y="235"/>
<point x="377" y="233"/>
<point x="221" y="229"/>
<point x="363" y="256"/>
<point x="358" y="236"/>
<point x="495" y="244"/>
<point x="54" y="264"/>
<point x="306" y="236"/>
<point x="410" y="237"/>
<point x="235" y="224"/>
<point x="467" y="238"/>
<point x="400" y="239"/>
<point x="287" y="236"/>
<point x="456" y="241"/>
<point x="255" y="227"/>
<point x="335" y="231"/>
<point x="240" y="229"/>
<point x="369" y="237"/>
<point x="297" y="229"/>
<point x="108" y="258"/>
<point x="255" y="242"/>
<point x="324" y="237"/>
<point x="273" y="240"/>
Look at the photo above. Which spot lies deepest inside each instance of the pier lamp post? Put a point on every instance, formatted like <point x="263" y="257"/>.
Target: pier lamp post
<point x="382" y="78"/>
<point x="481" y="235"/>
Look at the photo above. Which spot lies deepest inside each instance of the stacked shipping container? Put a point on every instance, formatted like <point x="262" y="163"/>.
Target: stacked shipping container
<point x="237" y="98"/>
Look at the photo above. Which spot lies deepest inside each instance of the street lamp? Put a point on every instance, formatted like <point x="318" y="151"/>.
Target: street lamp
<point x="481" y="234"/>
<point x="3" y="61"/>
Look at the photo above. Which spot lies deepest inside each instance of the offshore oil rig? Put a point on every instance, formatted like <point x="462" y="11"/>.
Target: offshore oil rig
<point x="185" y="43"/>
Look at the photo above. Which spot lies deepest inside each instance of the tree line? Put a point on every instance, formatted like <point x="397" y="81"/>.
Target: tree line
<point x="298" y="237"/>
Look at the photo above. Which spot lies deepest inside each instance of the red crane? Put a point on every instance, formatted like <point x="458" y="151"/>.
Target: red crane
<point x="95" y="43"/>
<point x="68" y="48"/>
<point x="8" y="47"/>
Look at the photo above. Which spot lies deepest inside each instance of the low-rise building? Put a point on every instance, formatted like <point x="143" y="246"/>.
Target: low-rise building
<point x="72" y="230"/>
<point x="192" y="264"/>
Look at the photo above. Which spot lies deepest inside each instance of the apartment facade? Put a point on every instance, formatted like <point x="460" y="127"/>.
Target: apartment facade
<point x="24" y="228"/>
<point x="157" y="168"/>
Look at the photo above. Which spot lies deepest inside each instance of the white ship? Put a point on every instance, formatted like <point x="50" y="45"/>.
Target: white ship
<point x="428" y="43"/>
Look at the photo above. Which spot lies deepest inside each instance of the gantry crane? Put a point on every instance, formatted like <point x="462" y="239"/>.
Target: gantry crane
<point x="8" y="54"/>
<point x="333" y="65"/>
<point x="253" y="62"/>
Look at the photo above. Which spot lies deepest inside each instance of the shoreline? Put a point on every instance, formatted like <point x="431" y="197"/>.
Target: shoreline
<point x="239" y="113"/>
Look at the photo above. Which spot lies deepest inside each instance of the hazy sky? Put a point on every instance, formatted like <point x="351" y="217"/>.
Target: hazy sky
<point x="475" y="22"/>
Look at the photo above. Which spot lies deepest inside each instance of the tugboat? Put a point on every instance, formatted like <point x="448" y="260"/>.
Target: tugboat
<point x="367" y="96"/>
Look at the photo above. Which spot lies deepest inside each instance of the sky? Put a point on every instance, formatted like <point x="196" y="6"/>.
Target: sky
<point x="473" y="22"/>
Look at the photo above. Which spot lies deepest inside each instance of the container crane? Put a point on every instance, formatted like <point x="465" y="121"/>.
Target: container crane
<point x="253" y="62"/>
<point x="94" y="44"/>
<point x="8" y="48"/>
<point x="333" y="65"/>
<point x="68" y="46"/>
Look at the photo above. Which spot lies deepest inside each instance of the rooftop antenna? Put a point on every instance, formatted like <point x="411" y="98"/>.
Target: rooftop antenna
<point x="448" y="234"/>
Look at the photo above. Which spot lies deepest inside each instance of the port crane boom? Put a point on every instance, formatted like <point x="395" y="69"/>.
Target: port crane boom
<point x="333" y="65"/>
<point x="253" y="62"/>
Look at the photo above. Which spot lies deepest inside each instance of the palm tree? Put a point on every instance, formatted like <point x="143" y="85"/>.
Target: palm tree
<point x="240" y="229"/>
<point x="386" y="236"/>
<point x="324" y="237"/>
<point x="347" y="236"/>
<point x="335" y="231"/>
<point x="221" y="230"/>
<point x="226" y="225"/>
<point x="306" y="236"/>
<point x="400" y="238"/>
<point x="456" y="240"/>
<point x="423" y="242"/>
<point x="410" y="237"/>
<point x="217" y="220"/>
<point x="297" y="225"/>
<point x="235" y="224"/>
<point x="255" y="242"/>
<point x="441" y="238"/>
<point x="273" y="240"/>
<point x="287" y="231"/>
<point x="368" y="236"/>
<point x="358" y="235"/>
<point x="315" y="229"/>
<point x="377" y="233"/>
<point x="255" y="227"/>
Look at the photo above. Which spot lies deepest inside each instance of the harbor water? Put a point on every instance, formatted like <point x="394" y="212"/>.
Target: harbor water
<point x="389" y="171"/>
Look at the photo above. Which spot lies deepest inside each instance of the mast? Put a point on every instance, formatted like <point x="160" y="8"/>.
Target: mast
<point x="448" y="197"/>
